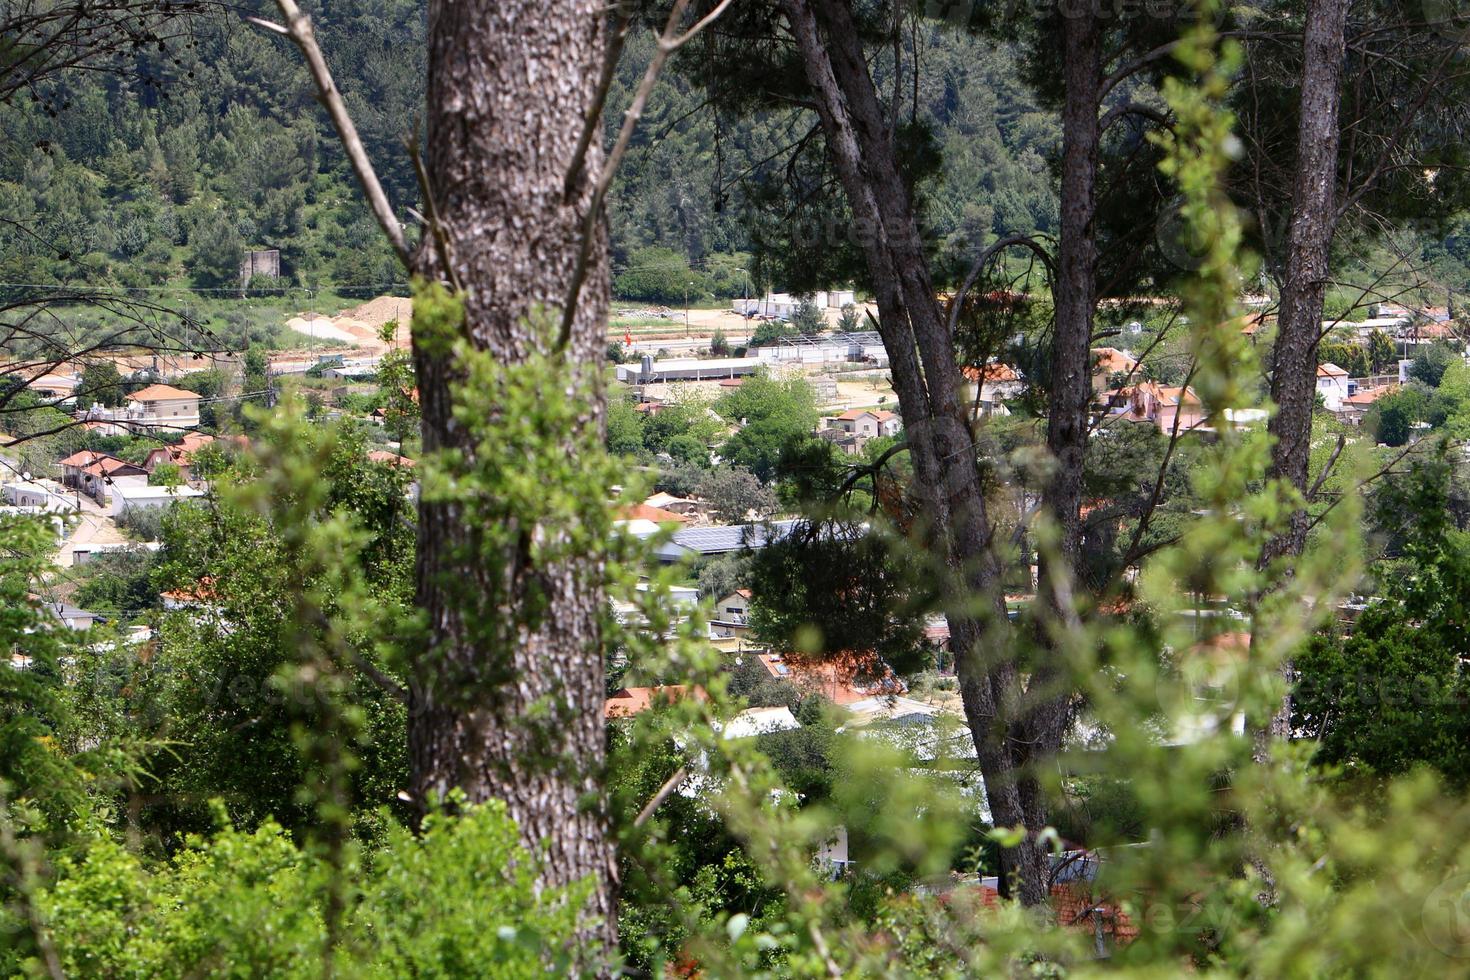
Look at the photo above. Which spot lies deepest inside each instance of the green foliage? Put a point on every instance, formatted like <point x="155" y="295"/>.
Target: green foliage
<point x="659" y="275"/>
<point x="736" y="496"/>
<point x="770" y="414"/>
<point x="101" y="383"/>
<point x="808" y="318"/>
<point x="450" y="901"/>
<point x="166" y="475"/>
<point x="117" y="583"/>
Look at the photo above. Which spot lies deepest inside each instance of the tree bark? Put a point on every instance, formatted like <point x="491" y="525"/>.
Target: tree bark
<point x="927" y="379"/>
<point x="1071" y="375"/>
<point x="1309" y="243"/>
<point x="510" y="83"/>
<point x="1308" y="248"/>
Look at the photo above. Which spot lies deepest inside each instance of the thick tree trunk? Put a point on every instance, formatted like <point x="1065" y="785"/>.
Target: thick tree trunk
<point x="1309" y="243"/>
<point x="518" y="720"/>
<point x="927" y="379"/>
<point x="1308" y="248"/>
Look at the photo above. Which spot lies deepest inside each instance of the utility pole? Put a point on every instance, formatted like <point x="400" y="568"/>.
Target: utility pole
<point x="687" y="332"/>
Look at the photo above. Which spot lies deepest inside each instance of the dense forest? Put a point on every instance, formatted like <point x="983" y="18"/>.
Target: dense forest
<point x="165" y="186"/>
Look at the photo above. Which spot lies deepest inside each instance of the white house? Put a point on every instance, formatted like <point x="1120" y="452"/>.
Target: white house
<point x="156" y="408"/>
<point x="33" y="493"/>
<point x="867" y="423"/>
<point x="128" y="498"/>
<point x="1333" y="385"/>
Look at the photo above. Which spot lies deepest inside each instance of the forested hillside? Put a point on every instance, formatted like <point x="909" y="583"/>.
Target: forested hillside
<point x="134" y="186"/>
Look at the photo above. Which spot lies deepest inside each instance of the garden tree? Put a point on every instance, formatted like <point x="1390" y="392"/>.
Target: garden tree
<point x="808" y="318"/>
<point x="769" y="333"/>
<point x="229" y="647"/>
<point x="659" y="275"/>
<point x="680" y="418"/>
<point x="1381" y="354"/>
<point x="625" y="424"/>
<point x="720" y="575"/>
<point x="849" y="322"/>
<point x="166" y="475"/>
<point x="843" y="585"/>
<point x="118" y="583"/>
<point x="101" y="383"/>
<point x="1352" y="358"/>
<point x="1430" y="363"/>
<point x="1390" y="696"/>
<point x="733" y="493"/>
<point x="770" y="414"/>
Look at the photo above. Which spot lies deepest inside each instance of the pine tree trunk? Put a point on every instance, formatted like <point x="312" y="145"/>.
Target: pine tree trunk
<point x="1308" y="249"/>
<point x="510" y="83"/>
<point x="927" y="380"/>
<point x="1309" y="243"/>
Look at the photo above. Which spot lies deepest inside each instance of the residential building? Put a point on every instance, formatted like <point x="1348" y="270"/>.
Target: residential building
<point x="843" y="679"/>
<point x="95" y="474"/>
<point x="1158" y="404"/>
<point x="731" y="615"/>
<point x="1356" y="405"/>
<point x="158" y="409"/>
<point x="649" y="371"/>
<point x="721" y="539"/>
<point x="990" y="386"/>
<point x="1333" y="385"/>
<point x="1108" y="363"/>
<point x="862" y="425"/>
<point x="180" y="455"/>
<point x="630" y="701"/>
<point x="43" y="497"/>
<point x="128" y="497"/>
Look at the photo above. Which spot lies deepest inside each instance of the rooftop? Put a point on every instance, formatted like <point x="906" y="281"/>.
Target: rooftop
<point x="161" y="393"/>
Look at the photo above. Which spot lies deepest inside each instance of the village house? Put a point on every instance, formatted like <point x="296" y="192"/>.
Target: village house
<point x="1355" y="406"/>
<point x="853" y="429"/>
<point x="1109" y="363"/>
<point x="128" y="498"/>
<point x="95" y="474"/>
<point x="629" y="701"/>
<point x="1333" y="385"/>
<point x="731" y="617"/>
<point x="1159" y="404"/>
<point x="180" y="455"/>
<point x="996" y="382"/>
<point x="155" y="409"/>
<point x="36" y="495"/>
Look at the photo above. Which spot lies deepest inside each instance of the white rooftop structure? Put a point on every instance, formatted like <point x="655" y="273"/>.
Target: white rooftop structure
<point x="649" y="371"/>
<point x="130" y="498"/>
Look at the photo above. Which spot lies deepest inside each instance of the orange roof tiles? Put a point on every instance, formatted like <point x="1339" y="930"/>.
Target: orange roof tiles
<point x="629" y="701"/>
<point x="159" y="393"/>
<point x="643" y="512"/>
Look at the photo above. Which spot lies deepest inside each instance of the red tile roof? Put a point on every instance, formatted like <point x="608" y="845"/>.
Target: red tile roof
<point x="853" y="414"/>
<point x="630" y="701"/>
<point x="643" y="512"/>
<point x="158" y="393"/>
<point x="392" y="459"/>
<point x="1329" y="370"/>
<point x="1112" y="360"/>
<point x="994" y="373"/>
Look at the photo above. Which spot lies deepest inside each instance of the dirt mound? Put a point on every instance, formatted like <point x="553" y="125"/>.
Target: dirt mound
<point x="376" y="312"/>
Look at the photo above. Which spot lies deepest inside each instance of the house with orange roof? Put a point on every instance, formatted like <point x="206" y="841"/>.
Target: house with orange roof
<point x="1158" y="404"/>
<point x="842" y="678"/>
<point x="180" y="455"/>
<point x="991" y="384"/>
<point x="93" y="473"/>
<point x="1333" y="385"/>
<point x="854" y="428"/>
<point x="1108" y="363"/>
<point x="1355" y="406"/>
<point x="390" y="459"/>
<point x="157" y="408"/>
<point x="629" y="701"/>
